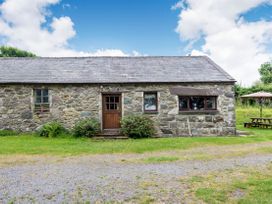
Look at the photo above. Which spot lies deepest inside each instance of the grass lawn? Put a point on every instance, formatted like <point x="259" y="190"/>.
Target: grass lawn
<point x="29" y="144"/>
<point x="243" y="185"/>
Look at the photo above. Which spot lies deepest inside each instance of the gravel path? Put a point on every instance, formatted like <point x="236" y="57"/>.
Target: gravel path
<point x="90" y="178"/>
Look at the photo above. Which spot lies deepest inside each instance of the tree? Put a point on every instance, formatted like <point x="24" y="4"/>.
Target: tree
<point x="266" y="72"/>
<point x="6" y="51"/>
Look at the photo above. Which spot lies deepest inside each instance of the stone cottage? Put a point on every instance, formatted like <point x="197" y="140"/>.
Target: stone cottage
<point x="185" y="96"/>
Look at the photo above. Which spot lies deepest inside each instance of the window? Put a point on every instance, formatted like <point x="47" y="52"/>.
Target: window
<point x="197" y="103"/>
<point x="150" y="102"/>
<point x="112" y="103"/>
<point x="41" y="100"/>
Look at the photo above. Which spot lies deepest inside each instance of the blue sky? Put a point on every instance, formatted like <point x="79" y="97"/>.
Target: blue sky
<point x="237" y="35"/>
<point x="147" y="26"/>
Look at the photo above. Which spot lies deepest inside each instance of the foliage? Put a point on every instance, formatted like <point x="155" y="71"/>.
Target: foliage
<point x="6" y="51"/>
<point x="240" y="91"/>
<point x="51" y="129"/>
<point x="137" y="126"/>
<point x="8" y="133"/>
<point x="266" y="72"/>
<point x="86" y="128"/>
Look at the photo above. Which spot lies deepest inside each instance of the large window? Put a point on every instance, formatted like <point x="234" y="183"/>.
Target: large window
<point x="150" y="102"/>
<point x="41" y="101"/>
<point x="197" y="103"/>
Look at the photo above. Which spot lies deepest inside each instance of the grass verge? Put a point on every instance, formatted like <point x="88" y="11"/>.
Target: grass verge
<point x="28" y="144"/>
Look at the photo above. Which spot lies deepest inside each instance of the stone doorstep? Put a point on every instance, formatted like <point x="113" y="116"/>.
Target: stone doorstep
<point x="242" y="133"/>
<point x="117" y="137"/>
<point x="110" y="134"/>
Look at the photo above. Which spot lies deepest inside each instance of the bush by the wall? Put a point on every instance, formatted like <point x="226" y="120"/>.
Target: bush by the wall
<point x="8" y="133"/>
<point x="86" y="128"/>
<point x="137" y="126"/>
<point x="52" y="129"/>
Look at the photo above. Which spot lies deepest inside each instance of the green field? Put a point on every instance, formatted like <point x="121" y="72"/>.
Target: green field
<point x="29" y="144"/>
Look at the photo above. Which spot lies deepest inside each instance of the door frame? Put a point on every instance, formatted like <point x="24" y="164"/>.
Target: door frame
<point x="103" y="106"/>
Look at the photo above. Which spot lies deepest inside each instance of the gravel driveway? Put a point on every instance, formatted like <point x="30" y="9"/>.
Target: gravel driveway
<point x="102" y="179"/>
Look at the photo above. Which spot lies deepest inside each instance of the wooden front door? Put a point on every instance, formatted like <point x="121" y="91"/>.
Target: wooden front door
<point x="112" y="112"/>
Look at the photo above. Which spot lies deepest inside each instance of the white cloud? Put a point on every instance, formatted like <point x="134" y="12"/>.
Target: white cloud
<point x="178" y="5"/>
<point x="22" y="25"/>
<point x="235" y="44"/>
<point x="66" y="6"/>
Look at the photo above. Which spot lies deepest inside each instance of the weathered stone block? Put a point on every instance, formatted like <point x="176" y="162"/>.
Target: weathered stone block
<point x="85" y="114"/>
<point x="27" y="114"/>
<point x="167" y="131"/>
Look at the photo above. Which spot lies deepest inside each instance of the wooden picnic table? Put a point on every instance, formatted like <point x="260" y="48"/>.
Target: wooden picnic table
<point x="259" y="122"/>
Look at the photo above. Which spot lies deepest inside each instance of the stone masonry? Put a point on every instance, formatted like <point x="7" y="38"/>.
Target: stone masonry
<point x="70" y="103"/>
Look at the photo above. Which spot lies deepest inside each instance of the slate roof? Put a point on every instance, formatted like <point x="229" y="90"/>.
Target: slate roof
<point x="111" y="70"/>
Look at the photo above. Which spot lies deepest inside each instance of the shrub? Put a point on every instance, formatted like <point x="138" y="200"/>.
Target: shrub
<point x="137" y="126"/>
<point x="86" y="128"/>
<point x="8" y="133"/>
<point x="52" y="129"/>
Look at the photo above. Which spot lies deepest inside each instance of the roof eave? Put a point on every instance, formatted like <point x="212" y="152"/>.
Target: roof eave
<point x="139" y="82"/>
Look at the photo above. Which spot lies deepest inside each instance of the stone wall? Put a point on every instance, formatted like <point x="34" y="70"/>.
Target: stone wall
<point x="70" y="103"/>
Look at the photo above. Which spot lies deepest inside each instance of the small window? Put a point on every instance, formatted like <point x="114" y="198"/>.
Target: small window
<point x="150" y="102"/>
<point x="197" y="103"/>
<point x="41" y="100"/>
<point x="112" y="103"/>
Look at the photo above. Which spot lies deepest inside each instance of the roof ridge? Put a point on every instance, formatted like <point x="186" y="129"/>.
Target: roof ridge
<point x="90" y="57"/>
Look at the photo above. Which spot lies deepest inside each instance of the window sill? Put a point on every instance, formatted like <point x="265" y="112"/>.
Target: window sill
<point x="41" y="114"/>
<point x="199" y="112"/>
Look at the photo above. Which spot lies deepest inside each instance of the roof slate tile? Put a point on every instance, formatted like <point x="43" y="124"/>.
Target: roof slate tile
<point x="111" y="70"/>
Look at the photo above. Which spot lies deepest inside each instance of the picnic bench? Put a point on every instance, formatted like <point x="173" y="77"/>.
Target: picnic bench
<point x="259" y="122"/>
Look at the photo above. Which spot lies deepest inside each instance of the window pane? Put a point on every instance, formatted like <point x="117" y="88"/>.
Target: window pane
<point x="38" y="92"/>
<point x="107" y="99"/>
<point x="117" y="99"/>
<point x="112" y="99"/>
<point x="211" y="102"/>
<point x="45" y="99"/>
<point x="38" y="99"/>
<point x="150" y="102"/>
<point x="45" y="92"/>
<point x="197" y="103"/>
<point x="183" y="103"/>
<point x="112" y="107"/>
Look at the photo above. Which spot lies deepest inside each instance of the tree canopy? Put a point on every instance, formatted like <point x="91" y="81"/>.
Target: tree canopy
<point x="6" y="51"/>
<point x="266" y="73"/>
